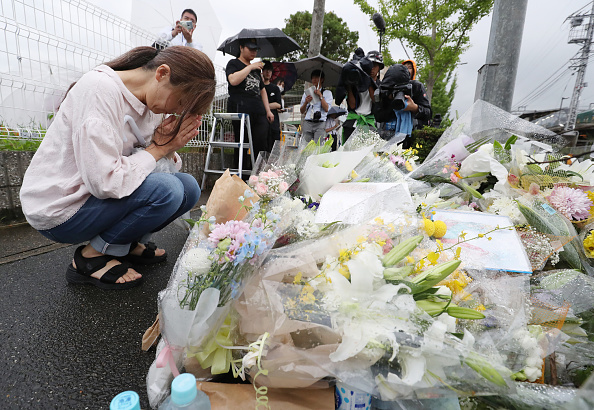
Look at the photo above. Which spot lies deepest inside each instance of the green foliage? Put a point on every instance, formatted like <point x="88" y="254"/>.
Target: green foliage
<point x="435" y="30"/>
<point x="338" y="42"/>
<point x="13" y="139"/>
<point x="17" y="144"/>
<point x="424" y="140"/>
<point x="444" y="95"/>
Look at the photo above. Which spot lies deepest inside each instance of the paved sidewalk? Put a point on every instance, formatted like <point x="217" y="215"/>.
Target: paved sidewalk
<point x="74" y="347"/>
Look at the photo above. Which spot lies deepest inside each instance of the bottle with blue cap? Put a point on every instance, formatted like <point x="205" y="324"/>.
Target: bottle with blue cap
<point x="185" y="395"/>
<point x="127" y="400"/>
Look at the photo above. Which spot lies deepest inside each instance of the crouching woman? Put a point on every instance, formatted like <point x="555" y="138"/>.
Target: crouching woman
<point x="87" y="182"/>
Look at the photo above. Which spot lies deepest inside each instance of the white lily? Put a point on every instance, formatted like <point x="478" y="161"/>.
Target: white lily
<point x="585" y="168"/>
<point x="363" y="307"/>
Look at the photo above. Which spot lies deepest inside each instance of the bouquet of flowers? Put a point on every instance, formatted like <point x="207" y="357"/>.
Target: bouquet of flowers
<point x="353" y="306"/>
<point x="208" y="276"/>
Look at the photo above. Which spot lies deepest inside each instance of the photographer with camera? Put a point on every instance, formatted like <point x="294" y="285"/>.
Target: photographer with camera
<point x="359" y="80"/>
<point x="400" y="100"/>
<point x="181" y="34"/>
<point x="360" y="99"/>
<point x="315" y="104"/>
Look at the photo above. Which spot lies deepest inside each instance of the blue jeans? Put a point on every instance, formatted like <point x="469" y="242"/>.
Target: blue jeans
<point x="111" y="225"/>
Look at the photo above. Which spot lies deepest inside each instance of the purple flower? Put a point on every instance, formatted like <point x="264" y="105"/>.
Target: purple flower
<point x="571" y="202"/>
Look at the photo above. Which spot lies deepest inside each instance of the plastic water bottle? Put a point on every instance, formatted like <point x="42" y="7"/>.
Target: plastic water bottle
<point x="127" y="400"/>
<point x="349" y="398"/>
<point x="185" y="395"/>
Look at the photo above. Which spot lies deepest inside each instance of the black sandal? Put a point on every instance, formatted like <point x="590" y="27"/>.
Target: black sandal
<point x="81" y="275"/>
<point x="148" y="256"/>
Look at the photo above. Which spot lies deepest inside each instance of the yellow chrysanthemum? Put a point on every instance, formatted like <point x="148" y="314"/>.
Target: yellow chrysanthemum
<point x="428" y="226"/>
<point x="591" y="198"/>
<point x="589" y="245"/>
<point x="440" y="229"/>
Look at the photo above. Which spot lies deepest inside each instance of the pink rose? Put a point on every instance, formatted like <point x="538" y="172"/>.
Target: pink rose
<point x="261" y="189"/>
<point x="283" y="186"/>
<point x="253" y="180"/>
<point x="453" y="177"/>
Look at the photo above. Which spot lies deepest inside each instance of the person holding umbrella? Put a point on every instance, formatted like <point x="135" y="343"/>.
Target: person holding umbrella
<point x="274" y="102"/>
<point x="247" y="94"/>
<point x="333" y="124"/>
<point x="315" y="104"/>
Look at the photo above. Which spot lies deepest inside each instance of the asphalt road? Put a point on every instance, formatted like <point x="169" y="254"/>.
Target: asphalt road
<point x="73" y="347"/>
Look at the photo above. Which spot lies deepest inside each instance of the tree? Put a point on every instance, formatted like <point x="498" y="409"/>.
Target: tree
<point x="435" y="30"/>
<point x="443" y="95"/>
<point x="338" y="42"/>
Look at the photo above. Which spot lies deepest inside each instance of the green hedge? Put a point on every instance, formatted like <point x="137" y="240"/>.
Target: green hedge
<point x="426" y="140"/>
<point x="17" y="144"/>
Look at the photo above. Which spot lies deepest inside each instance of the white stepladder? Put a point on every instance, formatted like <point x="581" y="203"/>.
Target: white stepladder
<point x="220" y="143"/>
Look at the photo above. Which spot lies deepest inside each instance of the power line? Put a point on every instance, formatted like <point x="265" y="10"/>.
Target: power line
<point x="559" y="72"/>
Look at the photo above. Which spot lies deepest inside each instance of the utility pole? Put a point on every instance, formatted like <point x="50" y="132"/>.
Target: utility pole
<point x="577" y="36"/>
<point x="317" y="23"/>
<point x="497" y="77"/>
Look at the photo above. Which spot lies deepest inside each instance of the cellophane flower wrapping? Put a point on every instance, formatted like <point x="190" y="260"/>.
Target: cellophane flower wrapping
<point x="363" y="137"/>
<point x="323" y="171"/>
<point x="485" y="122"/>
<point x="358" y="202"/>
<point x="331" y="314"/>
<point x="209" y="274"/>
<point x="270" y="180"/>
<point x="471" y="137"/>
<point x="542" y="217"/>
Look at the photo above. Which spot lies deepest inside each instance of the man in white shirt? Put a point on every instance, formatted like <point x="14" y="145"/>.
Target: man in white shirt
<point x="180" y="35"/>
<point x="315" y="104"/>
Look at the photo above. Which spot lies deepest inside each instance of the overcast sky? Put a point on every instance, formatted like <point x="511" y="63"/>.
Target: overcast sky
<point x="544" y="50"/>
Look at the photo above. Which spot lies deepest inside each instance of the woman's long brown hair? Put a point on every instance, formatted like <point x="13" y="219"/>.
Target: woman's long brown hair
<point x="192" y="72"/>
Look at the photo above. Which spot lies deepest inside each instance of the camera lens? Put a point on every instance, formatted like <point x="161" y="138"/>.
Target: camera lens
<point x="398" y="103"/>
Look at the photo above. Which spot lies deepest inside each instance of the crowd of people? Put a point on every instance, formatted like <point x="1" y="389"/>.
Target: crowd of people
<point x="92" y="177"/>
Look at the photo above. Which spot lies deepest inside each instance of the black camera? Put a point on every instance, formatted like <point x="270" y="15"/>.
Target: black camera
<point x="355" y="75"/>
<point x="317" y="115"/>
<point x="395" y="85"/>
<point x="394" y="95"/>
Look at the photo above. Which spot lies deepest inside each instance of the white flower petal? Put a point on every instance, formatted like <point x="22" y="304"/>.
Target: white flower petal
<point x="364" y="267"/>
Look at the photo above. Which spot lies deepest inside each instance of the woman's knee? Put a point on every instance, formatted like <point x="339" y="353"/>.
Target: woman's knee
<point x="191" y="188"/>
<point x="165" y="189"/>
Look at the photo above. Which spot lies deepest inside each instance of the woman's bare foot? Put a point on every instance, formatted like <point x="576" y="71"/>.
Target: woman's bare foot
<point x="140" y="248"/>
<point x="90" y="252"/>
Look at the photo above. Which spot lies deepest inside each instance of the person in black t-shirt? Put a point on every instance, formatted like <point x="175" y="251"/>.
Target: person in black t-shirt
<point x="274" y="102"/>
<point x="248" y="95"/>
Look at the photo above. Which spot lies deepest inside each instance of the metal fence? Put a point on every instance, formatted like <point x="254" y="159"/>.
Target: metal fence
<point x="45" y="45"/>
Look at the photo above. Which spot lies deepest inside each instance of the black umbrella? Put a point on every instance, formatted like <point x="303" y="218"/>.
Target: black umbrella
<point x="337" y="110"/>
<point x="272" y="42"/>
<point x="330" y="68"/>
